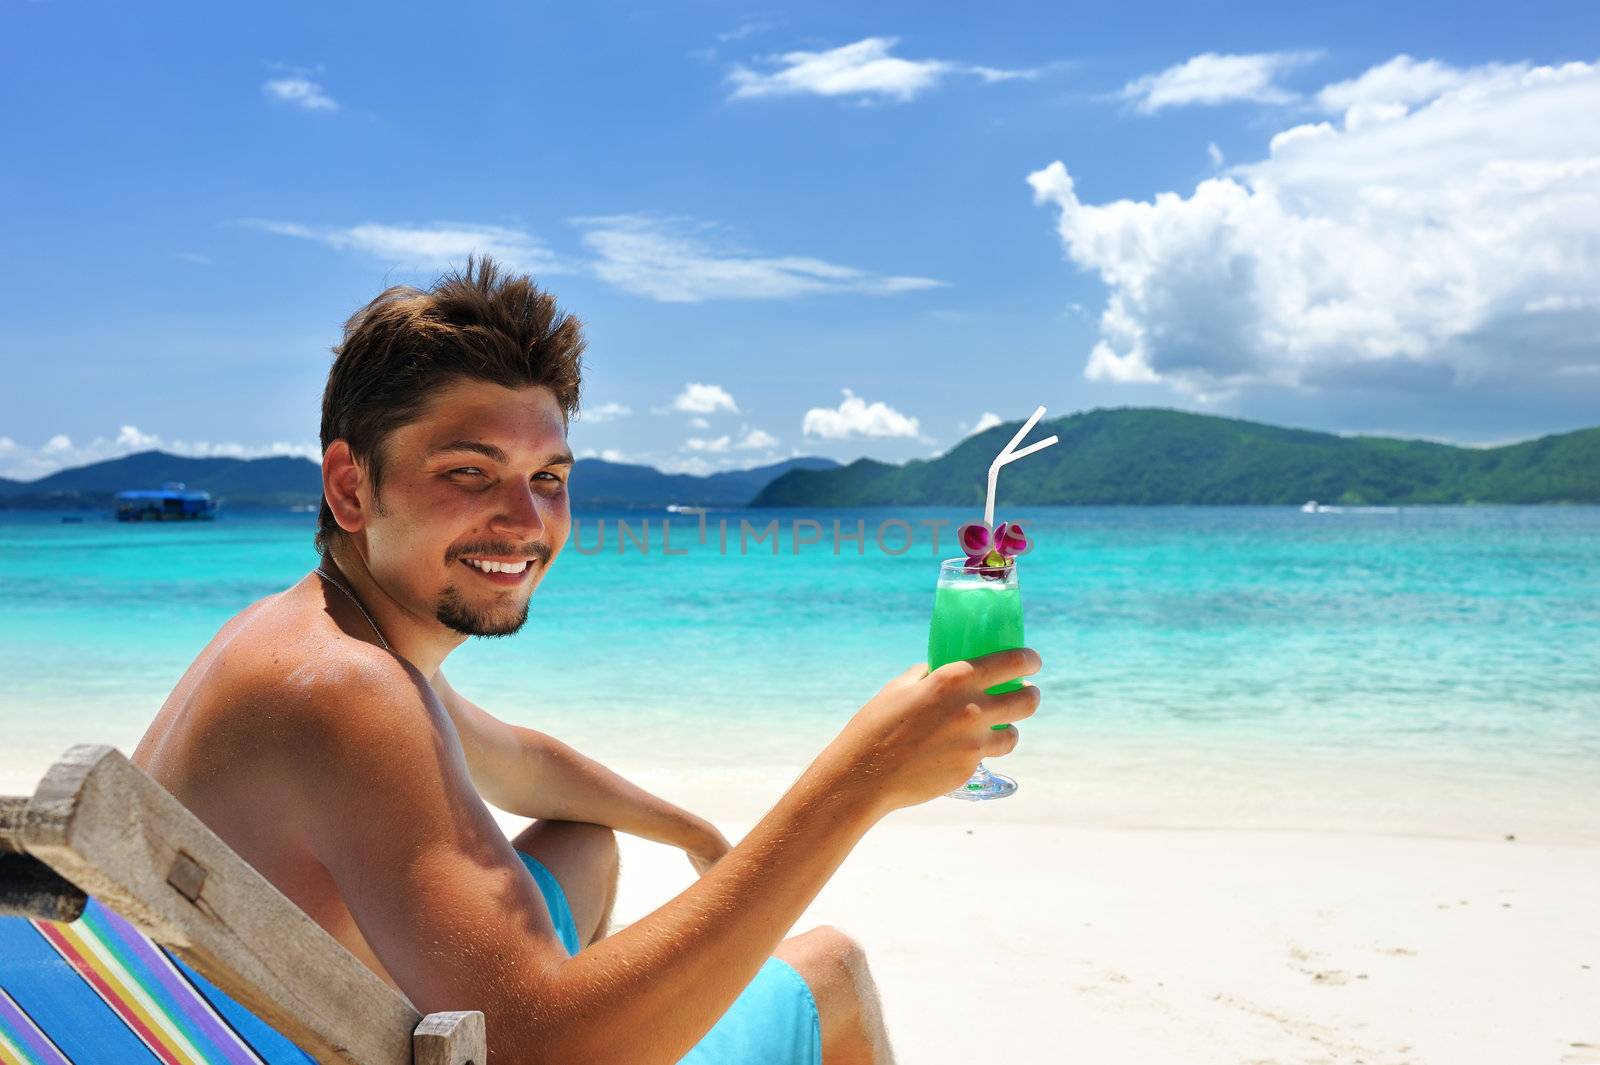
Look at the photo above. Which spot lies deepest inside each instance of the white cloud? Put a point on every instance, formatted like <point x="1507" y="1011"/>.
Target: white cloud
<point x="1214" y="153"/>
<point x="699" y="423"/>
<point x="671" y="260"/>
<point x="1212" y="79"/>
<point x="1402" y="80"/>
<point x="131" y="438"/>
<point x="23" y="463"/>
<point x="692" y="464"/>
<point x="432" y="245"/>
<point x="994" y="75"/>
<point x="721" y="443"/>
<point x="300" y="91"/>
<point x="608" y="454"/>
<point x="1397" y="252"/>
<point x="756" y="440"/>
<point x="698" y="398"/>
<point x="987" y="420"/>
<point x="667" y="259"/>
<point x="864" y="69"/>
<point x="1559" y="302"/>
<point x="855" y="417"/>
<point x="605" y="412"/>
<point x="749" y="28"/>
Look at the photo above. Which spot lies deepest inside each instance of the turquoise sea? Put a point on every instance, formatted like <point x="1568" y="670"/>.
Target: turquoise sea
<point x="1457" y="649"/>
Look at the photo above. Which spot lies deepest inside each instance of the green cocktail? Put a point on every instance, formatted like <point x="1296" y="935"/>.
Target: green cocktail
<point x="971" y="620"/>
<point x="974" y="615"/>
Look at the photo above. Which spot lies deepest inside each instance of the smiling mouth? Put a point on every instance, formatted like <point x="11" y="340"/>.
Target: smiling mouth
<point x="486" y="566"/>
<point x="501" y="574"/>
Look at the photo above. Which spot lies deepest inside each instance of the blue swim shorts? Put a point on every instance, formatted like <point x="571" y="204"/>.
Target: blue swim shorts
<point x="772" y="1022"/>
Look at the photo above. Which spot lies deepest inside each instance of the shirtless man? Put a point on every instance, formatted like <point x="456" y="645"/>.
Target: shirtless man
<point x="318" y="736"/>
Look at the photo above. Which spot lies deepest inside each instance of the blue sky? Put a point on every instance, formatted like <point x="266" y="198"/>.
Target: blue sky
<point x="1353" y="217"/>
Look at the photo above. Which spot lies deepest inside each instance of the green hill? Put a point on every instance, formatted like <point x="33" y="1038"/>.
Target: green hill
<point x="596" y="482"/>
<point x="1145" y="456"/>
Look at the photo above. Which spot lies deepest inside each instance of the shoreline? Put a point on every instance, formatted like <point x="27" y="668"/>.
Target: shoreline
<point x="1135" y="786"/>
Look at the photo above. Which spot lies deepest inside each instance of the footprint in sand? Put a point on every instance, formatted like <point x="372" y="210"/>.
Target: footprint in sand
<point x="1327" y="977"/>
<point x="1583" y="1054"/>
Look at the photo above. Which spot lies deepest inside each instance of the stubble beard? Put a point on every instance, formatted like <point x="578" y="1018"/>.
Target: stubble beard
<point x="456" y="614"/>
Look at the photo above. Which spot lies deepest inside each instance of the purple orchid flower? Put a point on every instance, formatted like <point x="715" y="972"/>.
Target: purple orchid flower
<point x="991" y="552"/>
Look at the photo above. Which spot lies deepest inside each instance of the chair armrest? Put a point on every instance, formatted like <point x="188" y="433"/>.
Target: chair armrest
<point x="450" y="1039"/>
<point x="101" y="823"/>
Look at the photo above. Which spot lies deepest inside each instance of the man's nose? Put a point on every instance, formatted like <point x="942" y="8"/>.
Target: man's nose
<point x="518" y="514"/>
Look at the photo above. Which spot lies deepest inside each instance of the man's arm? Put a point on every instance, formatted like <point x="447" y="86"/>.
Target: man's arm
<point x="390" y="812"/>
<point x="530" y="774"/>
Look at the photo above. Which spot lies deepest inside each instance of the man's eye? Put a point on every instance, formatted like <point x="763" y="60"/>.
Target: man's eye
<point x="547" y="473"/>
<point x="467" y="469"/>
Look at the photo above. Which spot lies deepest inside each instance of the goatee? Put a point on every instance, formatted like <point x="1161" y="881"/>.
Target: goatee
<point x="458" y="616"/>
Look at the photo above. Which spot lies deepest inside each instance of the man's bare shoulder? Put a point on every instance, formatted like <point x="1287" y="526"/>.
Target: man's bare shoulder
<point x="297" y="667"/>
<point x="283" y="680"/>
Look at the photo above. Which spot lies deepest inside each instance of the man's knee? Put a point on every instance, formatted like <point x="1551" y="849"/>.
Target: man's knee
<point x="835" y="964"/>
<point x="596" y="841"/>
<point x="840" y="949"/>
<point x="585" y="861"/>
<point x="601" y="840"/>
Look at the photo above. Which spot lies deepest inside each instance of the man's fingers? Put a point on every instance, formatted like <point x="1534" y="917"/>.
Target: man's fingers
<point x="999" y="742"/>
<point x="1011" y="706"/>
<point x="1001" y="666"/>
<point x="910" y="676"/>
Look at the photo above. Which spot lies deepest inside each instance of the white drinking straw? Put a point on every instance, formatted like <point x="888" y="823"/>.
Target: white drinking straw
<point x="1007" y="454"/>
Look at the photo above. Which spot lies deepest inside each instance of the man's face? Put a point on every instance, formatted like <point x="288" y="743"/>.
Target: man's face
<point x="477" y="484"/>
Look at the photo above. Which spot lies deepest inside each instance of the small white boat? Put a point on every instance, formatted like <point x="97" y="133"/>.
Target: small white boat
<point x="678" y="508"/>
<point x="1311" y="506"/>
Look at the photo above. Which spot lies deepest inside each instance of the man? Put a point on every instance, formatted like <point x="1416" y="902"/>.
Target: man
<point x="318" y="736"/>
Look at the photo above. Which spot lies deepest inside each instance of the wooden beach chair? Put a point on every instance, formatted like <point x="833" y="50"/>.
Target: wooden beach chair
<point x="130" y="933"/>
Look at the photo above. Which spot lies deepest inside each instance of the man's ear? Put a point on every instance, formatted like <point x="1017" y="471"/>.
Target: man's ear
<point x="342" y="482"/>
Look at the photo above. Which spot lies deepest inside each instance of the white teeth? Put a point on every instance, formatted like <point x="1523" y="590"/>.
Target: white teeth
<point x="497" y="567"/>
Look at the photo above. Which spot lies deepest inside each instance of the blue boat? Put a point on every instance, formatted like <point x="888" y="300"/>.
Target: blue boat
<point x="171" y="502"/>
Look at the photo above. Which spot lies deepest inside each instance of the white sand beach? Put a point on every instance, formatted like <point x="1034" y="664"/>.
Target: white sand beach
<point x="1022" y="935"/>
<point x="1121" y="911"/>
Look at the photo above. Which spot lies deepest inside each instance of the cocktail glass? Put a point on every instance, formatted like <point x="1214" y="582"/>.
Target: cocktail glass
<point x="974" y="615"/>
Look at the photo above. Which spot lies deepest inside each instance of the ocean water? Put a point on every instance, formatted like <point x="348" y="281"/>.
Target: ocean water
<point x="1464" y="642"/>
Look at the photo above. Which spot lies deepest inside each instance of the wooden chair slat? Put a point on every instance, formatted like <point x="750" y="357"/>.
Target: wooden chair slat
<point x="450" y="1039"/>
<point x="104" y="825"/>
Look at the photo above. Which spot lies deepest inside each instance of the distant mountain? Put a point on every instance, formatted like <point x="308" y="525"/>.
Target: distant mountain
<point x="596" y="482"/>
<point x="285" y="482"/>
<point x="1145" y="456"/>
<point x="280" y="481"/>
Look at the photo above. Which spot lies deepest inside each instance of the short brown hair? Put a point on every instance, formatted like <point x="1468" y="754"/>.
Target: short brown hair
<point x="403" y="346"/>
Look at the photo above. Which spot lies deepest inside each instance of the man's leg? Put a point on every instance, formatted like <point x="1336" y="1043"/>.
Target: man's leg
<point x="584" y="860"/>
<point x="835" y="968"/>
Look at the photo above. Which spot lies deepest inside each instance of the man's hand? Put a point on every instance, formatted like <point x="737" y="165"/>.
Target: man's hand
<point x="707" y="850"/>
<point x="924" y="733"/>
